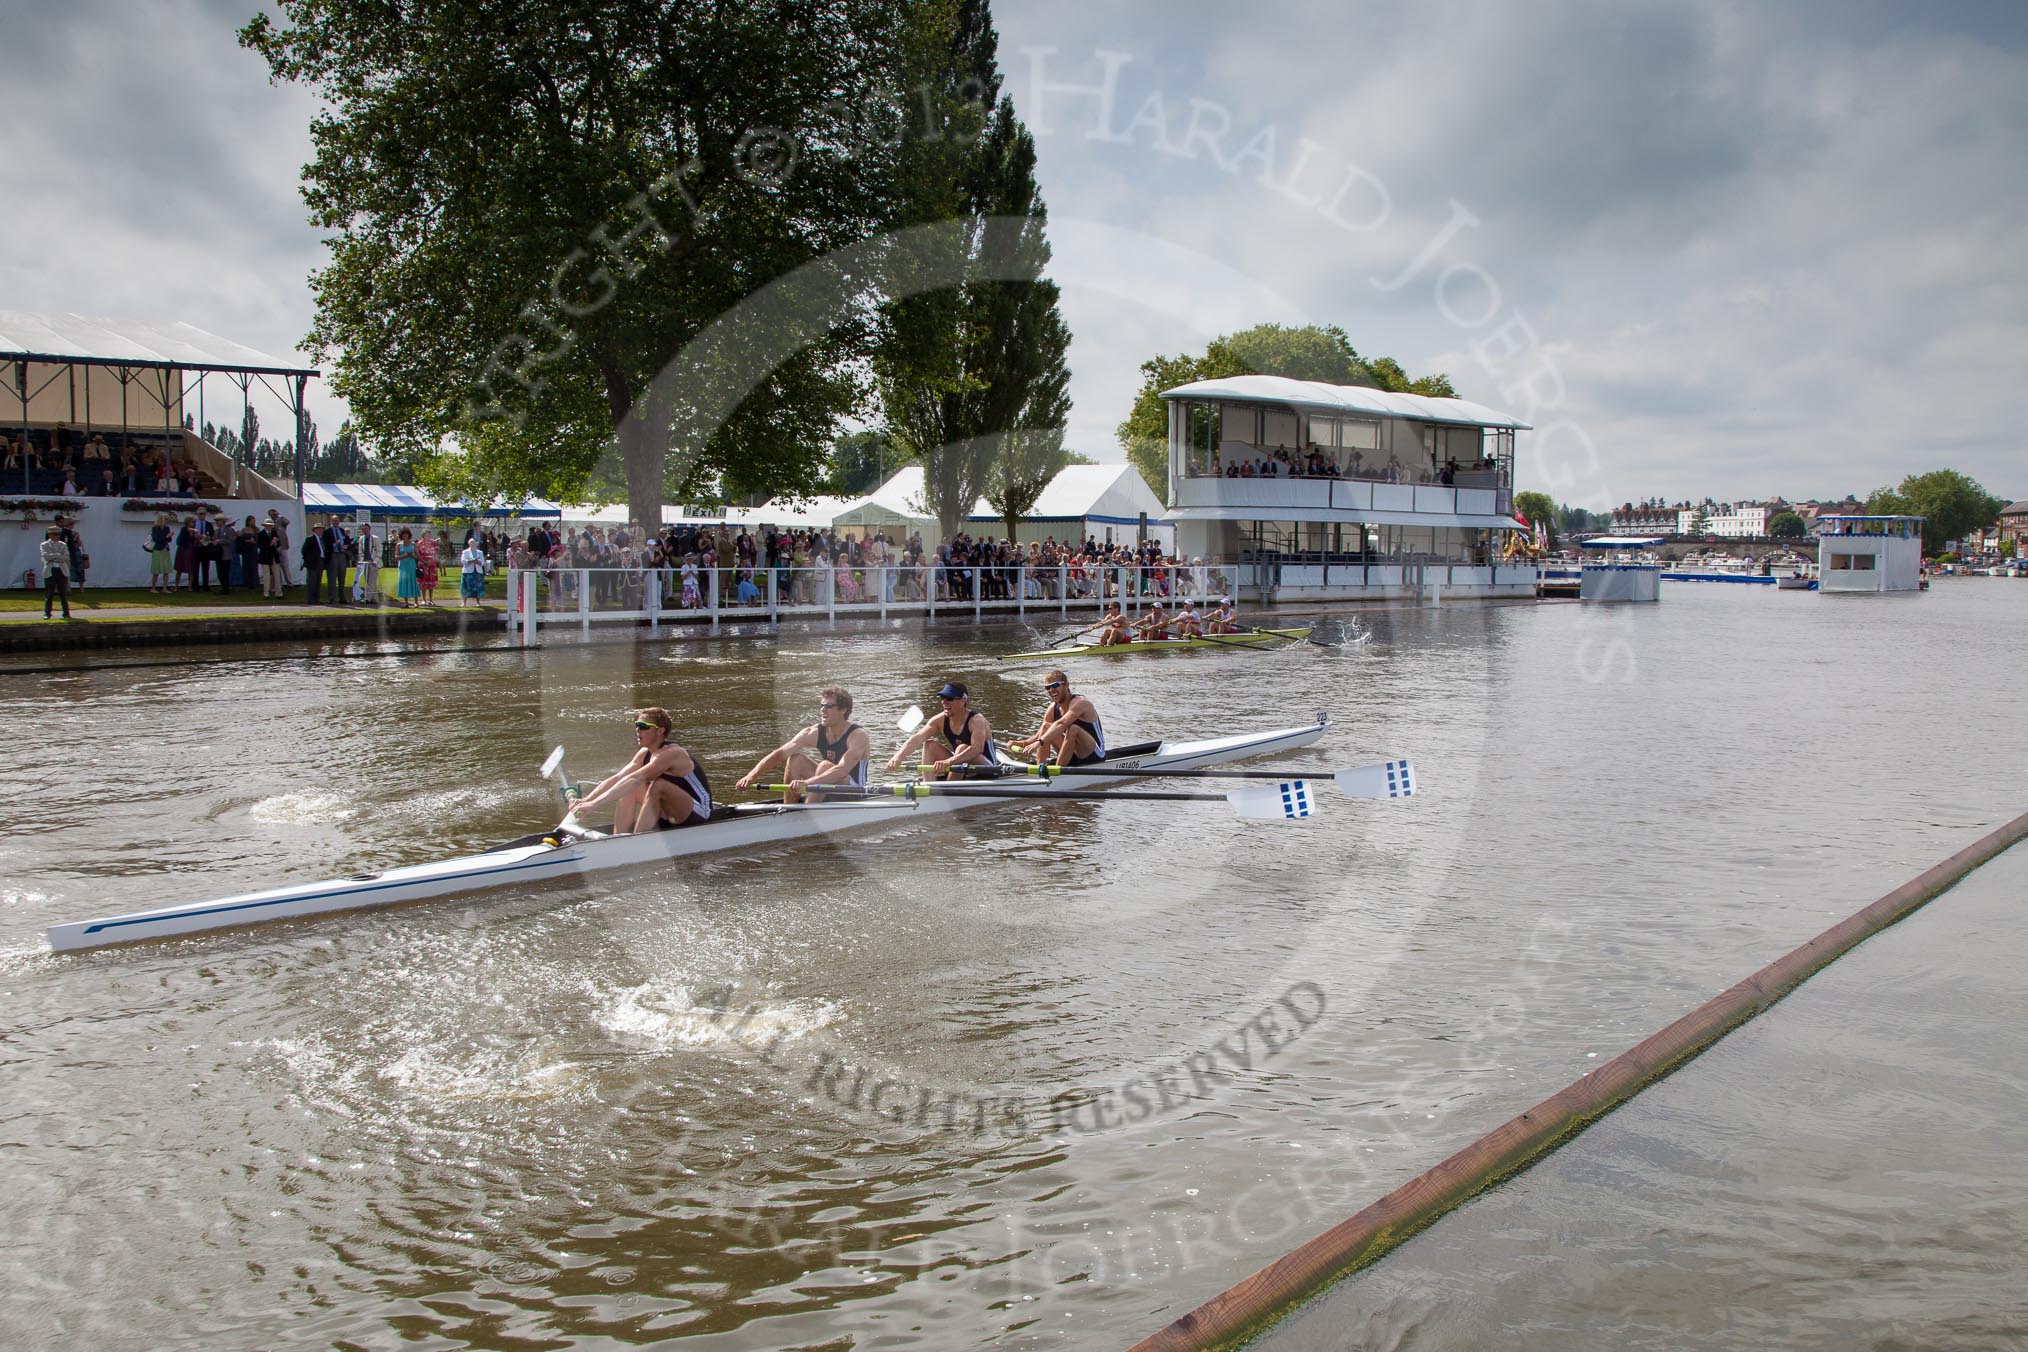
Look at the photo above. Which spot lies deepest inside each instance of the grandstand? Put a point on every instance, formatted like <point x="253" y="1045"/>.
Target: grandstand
<point x="82" y="396"/>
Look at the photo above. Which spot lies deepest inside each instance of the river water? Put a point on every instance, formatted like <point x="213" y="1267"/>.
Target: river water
<point x="1012" y="1077"/>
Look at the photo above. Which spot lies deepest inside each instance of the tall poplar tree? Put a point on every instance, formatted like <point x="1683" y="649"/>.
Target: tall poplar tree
<point x="972" y="376"/>
<point x="533" y="208"/>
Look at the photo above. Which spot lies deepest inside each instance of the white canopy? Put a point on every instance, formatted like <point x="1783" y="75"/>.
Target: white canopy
<point x="1344" y="399"/>
<point x="132" y="342"/>
<point x="1114" y="495"/>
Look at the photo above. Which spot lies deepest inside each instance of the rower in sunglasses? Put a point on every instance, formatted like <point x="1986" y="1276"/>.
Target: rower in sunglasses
<point x="1071" y="733"/>
<point x="963" y="733"/>
<point x="660" y="787"/>
<point x="833" y="750"/>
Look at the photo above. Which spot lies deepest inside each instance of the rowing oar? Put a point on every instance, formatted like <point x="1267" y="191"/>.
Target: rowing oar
<point x="553" y="765"/>
<point x="1388" y="779"/>
<point x="1290" y="801"/>
<point x="1312" y="627"/>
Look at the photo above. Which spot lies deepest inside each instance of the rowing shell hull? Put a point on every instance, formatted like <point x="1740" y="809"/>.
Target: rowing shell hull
<point x="540" y="862"/>
<point x="1164" y="645"/>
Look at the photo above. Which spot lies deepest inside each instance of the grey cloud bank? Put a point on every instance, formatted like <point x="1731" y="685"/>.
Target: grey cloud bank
<point x="1768" y="249"/>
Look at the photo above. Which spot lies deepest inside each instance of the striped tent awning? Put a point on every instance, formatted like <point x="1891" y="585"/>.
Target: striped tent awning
<point x="404" y="500"/>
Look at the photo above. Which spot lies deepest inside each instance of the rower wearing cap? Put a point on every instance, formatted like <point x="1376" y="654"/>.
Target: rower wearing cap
<point x="1114" y="629"/>
<point x="1071" y="733"/>
<point x="961" y="729"/>
<point x="1223" y="619"/>
<point x="660" y="787"/>
<point x="1188" y="623"/>
<point x="1153" y="625"/>
<point x="832" y="750"/>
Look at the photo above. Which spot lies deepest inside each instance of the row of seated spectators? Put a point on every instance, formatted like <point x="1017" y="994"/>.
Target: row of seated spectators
<point x="65" y="463"/>
<point x="1239" y="461"/>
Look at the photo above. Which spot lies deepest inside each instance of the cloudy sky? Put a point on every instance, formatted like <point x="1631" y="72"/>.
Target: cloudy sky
<point x="1724" y="249"/>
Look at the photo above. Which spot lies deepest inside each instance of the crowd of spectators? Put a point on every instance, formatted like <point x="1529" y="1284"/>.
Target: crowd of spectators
<point x="819" y="567"/>
<point x="79" y="465"/>
<point x="1245" y="462"/>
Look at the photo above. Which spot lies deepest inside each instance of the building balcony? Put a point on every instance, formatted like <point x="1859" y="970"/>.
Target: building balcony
<point x="1304" y="499"/>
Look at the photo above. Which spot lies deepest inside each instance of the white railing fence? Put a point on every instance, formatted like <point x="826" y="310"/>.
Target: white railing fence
<point x="540" y="598"/>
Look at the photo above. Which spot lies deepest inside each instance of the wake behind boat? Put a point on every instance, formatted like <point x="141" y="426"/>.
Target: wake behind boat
<point x="550" y="856"/>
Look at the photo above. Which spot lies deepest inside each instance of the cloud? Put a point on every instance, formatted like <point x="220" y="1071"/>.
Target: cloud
<point x="1761" y="246"/>
<point x="1764" y="248"/>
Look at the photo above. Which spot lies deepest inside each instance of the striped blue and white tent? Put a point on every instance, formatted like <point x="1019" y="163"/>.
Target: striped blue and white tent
<point x="385" y="500"/>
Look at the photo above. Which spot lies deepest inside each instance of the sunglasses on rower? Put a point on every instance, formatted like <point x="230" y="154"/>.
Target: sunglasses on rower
<point x="1052" y="685"/>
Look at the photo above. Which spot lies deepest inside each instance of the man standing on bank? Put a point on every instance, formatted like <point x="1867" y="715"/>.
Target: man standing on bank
<point x="1071" y="733"/>
<point x="961" y="730"/>
<point x="833" y="750"/>
<point x="314" y="562"/>
<point x="660" y="787"/>
<point x="55" y="571"/>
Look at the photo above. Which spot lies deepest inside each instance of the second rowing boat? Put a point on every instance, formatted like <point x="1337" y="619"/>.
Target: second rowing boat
<point x="1245" y="638"/>
<point x="550" y="856"/>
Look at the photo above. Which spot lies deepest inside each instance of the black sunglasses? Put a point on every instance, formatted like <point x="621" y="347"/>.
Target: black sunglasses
<point x="1052" y="685"/>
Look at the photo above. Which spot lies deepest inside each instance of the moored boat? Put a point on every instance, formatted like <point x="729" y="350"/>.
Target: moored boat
<point x="1245" y="638"/>
<point x="549" y="856"/>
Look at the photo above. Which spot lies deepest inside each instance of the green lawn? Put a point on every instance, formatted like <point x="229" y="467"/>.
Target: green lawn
<point x="242" y="599"/>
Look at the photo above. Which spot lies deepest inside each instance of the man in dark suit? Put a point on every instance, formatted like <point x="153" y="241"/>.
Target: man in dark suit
<point x="202" y="554"/>
<point x="337" y="546"/>
<point x="313" y="564"/>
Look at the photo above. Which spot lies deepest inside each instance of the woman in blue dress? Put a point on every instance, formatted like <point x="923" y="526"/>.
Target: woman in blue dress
<point x="407" y="589"/>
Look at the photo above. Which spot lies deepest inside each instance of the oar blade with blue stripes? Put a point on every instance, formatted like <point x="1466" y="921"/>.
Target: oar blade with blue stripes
<point x="1289" y="800"/>
<point x="1389" y="779"/>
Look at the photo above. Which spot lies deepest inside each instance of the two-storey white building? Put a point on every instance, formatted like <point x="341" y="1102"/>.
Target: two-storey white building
<point x="1336" y="491"/>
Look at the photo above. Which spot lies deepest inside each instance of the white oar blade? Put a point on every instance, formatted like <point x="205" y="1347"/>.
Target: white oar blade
<point x="1389" y="779"/>
<point x="910" y="720"/>
<point x="1289" y="801"/>
<point x="555" y="759"/>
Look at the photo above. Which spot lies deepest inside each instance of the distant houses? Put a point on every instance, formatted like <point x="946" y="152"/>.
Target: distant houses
<point x="1745" y="520"/>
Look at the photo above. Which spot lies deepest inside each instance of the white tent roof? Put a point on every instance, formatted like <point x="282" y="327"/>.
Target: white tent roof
<point x="403" y="500"/>
<point x="1111" y="493"/>
<point x="898" y="501"/>
<point x="131" y="342"/>
<point x="1345" y="399"/>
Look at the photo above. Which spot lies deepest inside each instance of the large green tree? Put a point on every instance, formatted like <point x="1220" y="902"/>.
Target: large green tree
<point x="1322" y="353"/>
<point x="1787" y="526"/>
<point x="971" y="370"/>
<point x="534" y="209"/>
<point x="1952" y="505"/>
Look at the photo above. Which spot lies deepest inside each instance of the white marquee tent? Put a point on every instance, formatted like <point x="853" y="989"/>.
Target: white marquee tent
<point x="1106" y="502"/>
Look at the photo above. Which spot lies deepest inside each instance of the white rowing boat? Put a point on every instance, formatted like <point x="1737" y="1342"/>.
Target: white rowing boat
<point x="549" y="857"/>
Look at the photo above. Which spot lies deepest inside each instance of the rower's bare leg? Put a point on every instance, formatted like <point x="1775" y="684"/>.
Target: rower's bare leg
<point x="627" y="811"/>
<point x="663" y="802"/>
<point x="1076" y="744"/>
<point x="796" y="766"/>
